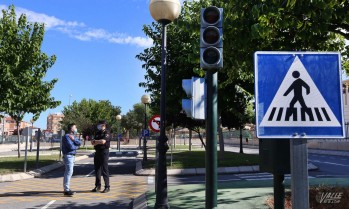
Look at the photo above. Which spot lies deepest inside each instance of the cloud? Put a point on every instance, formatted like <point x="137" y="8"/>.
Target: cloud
<point x="80" y="31"/>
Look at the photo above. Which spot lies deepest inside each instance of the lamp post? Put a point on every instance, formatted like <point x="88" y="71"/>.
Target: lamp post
<point x="118" y="118"/>
<point x="145" y="100"/>
<point x="164" y="12"/>
<point x="69" y="98"/>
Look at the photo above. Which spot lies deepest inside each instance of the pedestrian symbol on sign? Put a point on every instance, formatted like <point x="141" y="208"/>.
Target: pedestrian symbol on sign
<point x="298" y="102"/>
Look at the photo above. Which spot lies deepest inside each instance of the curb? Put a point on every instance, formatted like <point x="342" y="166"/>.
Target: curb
<point x="140" y="202"/>
<point x="35" y="173"/>
<point x="201" y="171"/>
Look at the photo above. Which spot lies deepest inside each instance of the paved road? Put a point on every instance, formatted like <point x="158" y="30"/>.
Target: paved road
<point x="329" y="167"/>
<point x="46" y="192"/>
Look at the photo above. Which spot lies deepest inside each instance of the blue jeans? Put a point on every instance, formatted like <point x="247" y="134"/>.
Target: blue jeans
<point x="69" y="166"/>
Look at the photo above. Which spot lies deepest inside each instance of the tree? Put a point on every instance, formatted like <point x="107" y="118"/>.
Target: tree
<point x="86" y="114"/>
<point x="23" y="67"/>
<point x="134" y="119"/>
<point x="249" y="26"/>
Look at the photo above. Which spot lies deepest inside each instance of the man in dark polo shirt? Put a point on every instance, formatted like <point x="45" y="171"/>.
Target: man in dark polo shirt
<point x="101" y="144"/>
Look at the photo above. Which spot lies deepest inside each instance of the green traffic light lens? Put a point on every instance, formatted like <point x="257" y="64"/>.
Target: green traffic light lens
<point x="211" y="15"/>
<point x="211" y="35"/>
<point x="211" y="56"/>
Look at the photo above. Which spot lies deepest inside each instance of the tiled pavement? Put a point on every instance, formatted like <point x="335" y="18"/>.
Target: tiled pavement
<point x="45" y="190"/>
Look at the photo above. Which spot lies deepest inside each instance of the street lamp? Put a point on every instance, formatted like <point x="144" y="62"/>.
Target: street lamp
<point x="145" y="100"/>
<point x="163" y="11"/>
<point x="118" y="118"/>
<point x="69" y="98"/>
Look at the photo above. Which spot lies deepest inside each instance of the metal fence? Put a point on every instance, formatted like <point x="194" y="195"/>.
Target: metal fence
<point x="11" y="139"/>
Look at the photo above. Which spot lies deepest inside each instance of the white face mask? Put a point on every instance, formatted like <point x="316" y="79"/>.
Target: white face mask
<point x="99" y="127"/>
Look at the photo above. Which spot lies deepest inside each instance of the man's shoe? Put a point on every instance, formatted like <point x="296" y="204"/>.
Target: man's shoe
<point x="106" y="190"/>
<point x="69" y="193"/>
<point x="97" y="188"/>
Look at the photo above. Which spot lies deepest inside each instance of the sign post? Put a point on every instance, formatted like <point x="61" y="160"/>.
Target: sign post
<point x="298" y="96"/>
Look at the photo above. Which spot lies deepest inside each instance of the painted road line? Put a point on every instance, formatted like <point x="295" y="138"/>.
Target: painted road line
<point x="333" y="176"/>
<point x="150" y="180"/>
<point x="317" y="161"/>
<point x="88" y="175"/>
<point x="48" y="204"/>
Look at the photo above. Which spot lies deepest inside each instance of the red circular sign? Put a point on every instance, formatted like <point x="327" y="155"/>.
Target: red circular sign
<point x="154" y="123"/>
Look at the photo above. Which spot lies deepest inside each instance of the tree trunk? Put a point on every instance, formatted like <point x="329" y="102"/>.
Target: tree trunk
<point x="241" y="150"/>
<point x="200" y="137"/>
<point x="19" y="140"/>
<point x="221" y="139"/>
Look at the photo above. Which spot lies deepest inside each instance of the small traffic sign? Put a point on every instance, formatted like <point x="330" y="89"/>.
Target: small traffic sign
<point x="298" y="93"/>
<point x="145" y="133"/>
<point x="154" y="123"/>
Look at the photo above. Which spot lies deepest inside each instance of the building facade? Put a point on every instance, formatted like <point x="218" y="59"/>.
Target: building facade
<point x="10" y="127"/>
<point x="54" y="122"/>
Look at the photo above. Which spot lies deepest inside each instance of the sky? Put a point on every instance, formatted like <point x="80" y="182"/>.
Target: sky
<point x="95" y="42"/>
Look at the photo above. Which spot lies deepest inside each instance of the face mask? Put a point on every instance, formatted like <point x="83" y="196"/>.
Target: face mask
<point x="99" y="127"/>
<point x="76" y="131"/>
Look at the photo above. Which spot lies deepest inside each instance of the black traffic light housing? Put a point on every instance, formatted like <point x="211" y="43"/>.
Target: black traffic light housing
<point x="211" y="38"/>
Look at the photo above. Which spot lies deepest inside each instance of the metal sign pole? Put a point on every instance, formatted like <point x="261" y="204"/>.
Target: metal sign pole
<point x="26" y="148"/>
<point x="299" y="173"/>
<point x="38" y="147"/>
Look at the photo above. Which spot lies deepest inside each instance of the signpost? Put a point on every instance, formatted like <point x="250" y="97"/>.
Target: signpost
<point x="298" y="96"/>
<point x="154" y="123"/>
<point x="145" y="133"/>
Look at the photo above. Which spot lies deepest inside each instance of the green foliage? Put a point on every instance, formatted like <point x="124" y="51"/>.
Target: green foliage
<point x="86" y="114"/>
<point x="133" y="121"/>
<point x="23" y="67"/>
<point x="249" y="26"/>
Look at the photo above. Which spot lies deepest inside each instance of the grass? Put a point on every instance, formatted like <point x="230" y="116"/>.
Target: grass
<point x="15" y="164"/>
<point x="196" y="159"/>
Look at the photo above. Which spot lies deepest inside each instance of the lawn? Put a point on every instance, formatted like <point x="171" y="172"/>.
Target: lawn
<point x="196" y="159"/>
<point x="15" y="164"/>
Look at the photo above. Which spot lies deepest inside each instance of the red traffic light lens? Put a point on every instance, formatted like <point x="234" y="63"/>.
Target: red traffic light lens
<point x="211" y="35"/>
<point x="211" y="56"/>
<point x="211" y="15"/>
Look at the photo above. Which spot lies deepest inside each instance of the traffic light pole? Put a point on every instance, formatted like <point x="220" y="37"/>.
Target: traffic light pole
<point x="211" y="140"/>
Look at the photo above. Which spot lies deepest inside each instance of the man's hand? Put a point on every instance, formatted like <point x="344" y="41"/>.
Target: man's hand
<point x="93" y="142"/>
<point x="71" y="137"/>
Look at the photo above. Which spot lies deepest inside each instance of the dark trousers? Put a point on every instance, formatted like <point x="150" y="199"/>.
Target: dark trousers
<point x="101" y="167"/>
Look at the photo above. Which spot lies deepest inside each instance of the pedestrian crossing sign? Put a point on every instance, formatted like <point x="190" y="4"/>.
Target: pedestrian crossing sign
<point x="298" y="93"/>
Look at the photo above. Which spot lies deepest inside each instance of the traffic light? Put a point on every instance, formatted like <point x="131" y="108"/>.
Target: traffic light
<point x="211" y="38"/>
<point x="195" y="106"/>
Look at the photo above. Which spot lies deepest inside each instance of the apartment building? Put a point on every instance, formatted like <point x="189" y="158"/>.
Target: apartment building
<point x="53" y="122"/>
<point x="10" y="126"/>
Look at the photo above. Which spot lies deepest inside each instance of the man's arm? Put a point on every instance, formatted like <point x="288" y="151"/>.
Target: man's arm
<point x="104" y="140"/>
<point x="75" y="140"/>
<point x="69" y="142"/>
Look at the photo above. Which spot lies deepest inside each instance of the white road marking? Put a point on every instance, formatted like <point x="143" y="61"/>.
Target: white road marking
<point x="317" y="161"/>
<point x="150" y="180"/>
<point x="48" y="204"/>
<point x="88" y="175"/>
